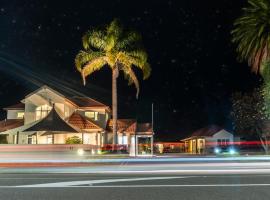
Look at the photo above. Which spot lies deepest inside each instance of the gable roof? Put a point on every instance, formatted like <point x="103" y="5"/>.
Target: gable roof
<point x="81" y="122"/>
<point x="83" y="102"/>
<point x="18" y="106"/>
<point x="122" y="124"/>
<point x="144" y="127"/>
<point x="42" y="88"/>
<point x="131" y="126"/>
<point x="78" y="101"/>
<point x="206" y="131"/>
<point x="53" y="123"/>
<point x="10" y="124"/>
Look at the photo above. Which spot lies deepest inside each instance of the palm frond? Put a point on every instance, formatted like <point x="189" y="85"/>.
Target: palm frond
<point x="95" y="39"/>
<point x="89" y="61"/>
<point x="139" y="59"/>
<point x="84" y="57"/>
<point x="251" y="34"/>
<point x="131" y="77"/>
<point x="128" y="40"/>
<point x="115" y="47"/>
<point x="92" y="66"/>
<point x="114" y="32"/>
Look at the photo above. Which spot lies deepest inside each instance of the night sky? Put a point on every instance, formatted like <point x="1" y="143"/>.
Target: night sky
<point x="194" y="65"/>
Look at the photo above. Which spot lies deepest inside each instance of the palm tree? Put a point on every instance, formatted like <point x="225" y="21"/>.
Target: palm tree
<point x="251" y="34"/>
<point x="118" y="49"/>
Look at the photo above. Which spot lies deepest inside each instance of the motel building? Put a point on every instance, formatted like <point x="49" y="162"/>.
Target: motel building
<point x="204" y="140"/>
<point x="46" y="116"/>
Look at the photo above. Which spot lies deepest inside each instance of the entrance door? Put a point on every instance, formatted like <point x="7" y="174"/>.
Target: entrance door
<point x="29" y="140"/>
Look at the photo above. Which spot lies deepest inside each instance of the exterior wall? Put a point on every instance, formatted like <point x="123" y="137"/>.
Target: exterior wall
<point x="119" y="138"/>
<point x="223" y="134"/>
<point x="88" y="138"/>
<point x="65" y="109"/>
<point x="101" y="116"/>
<point x="48" y="97"/>
<point x="12" y="114"/>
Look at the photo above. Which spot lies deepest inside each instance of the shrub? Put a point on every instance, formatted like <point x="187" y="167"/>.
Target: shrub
<point x="74" y="140"/>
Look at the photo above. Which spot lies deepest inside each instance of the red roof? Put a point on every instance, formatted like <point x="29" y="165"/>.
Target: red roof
<point x="10" y="124"/>
<point x="86" y="102"/>
<point x="206" y="131"/>
<point x="144" y="127"/>
<point x="122" y="124"/>
<point x="18" y="106"/>
<point x="81" y="122"/>
<point x="131" y="126"/>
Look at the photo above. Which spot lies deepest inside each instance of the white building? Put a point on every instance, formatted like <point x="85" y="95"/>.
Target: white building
<point x="205" y="139"/>
<point x="46" y="116"/>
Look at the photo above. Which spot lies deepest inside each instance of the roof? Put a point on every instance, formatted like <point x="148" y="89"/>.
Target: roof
<point x="207" y="131"/>
<point x="144" y="127"/>
<point x="85" y="102"/>
<point x="122" y="124"/>
<point x="10" y="124"/>
<point x="131" y="126"/>
<point x="79" y="101"/>
<point x="18" y="106"/>
<point x="81" y="122"/>
<point x="53" y="123"/>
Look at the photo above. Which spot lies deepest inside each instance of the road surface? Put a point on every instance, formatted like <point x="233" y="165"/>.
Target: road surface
<point x="191" y="181"/>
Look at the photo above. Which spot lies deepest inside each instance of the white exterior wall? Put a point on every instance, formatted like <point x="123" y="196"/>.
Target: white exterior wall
<point x="89" y="138"/>
<point x="101" y="116"/>
<point x="12" y="114"/>
<point x="222" y="134"/>
<point x="46" y="96"/>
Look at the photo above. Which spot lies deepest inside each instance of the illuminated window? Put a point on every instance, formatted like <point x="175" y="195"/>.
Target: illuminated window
<point x="223" y="141"/>
<point x="125" y="140"/>
<point x="92" y="115"/>
<point x="20" y="115"/>
<point x="42" y="111"/>
<point x="49" y="139"/>
<point x="107" y="117"/>
<point x="122" y="139"/>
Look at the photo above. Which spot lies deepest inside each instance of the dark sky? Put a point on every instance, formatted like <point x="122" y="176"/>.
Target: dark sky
<point x="194" y="64"/>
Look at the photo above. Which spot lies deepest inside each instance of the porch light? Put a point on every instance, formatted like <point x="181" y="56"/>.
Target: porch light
<point x="232" y="151"/>
<point x="217" y="150"/>
<point x="80" y="152"/>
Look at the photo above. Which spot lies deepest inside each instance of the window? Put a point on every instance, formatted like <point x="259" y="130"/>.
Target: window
<point x="92" y="115"/>
<point x="223" y="142"/>
<point x="20" y="115"/>
<point x="107" y="117"/>
<point x="42" y="111"/>
<point x="122" y="139"/>
<point x="49" y="139"/>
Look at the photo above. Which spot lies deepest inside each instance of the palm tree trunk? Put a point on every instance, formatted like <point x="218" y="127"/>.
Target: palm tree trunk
<point x="115" y="73"/>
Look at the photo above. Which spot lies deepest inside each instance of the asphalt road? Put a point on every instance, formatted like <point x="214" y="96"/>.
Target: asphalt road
<point x="134" y="186"/>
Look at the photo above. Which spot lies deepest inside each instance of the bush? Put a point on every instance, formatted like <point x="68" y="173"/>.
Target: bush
<point x="3" y="139"/>
<point x="74" y="140"/>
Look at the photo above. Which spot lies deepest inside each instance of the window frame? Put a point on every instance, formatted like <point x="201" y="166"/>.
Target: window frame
<point x="94" y="117"/>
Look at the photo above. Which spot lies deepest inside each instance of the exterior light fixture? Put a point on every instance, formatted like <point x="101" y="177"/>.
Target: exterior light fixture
<point x="80" y="152"/>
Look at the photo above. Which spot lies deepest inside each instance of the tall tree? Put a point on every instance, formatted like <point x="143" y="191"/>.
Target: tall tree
<point x="250" y="117"/>
<point x="117" y="48"/>
<point x="251" y="34"/>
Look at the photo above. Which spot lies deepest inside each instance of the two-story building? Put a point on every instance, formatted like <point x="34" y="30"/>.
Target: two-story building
<point x="46" y="116"/>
